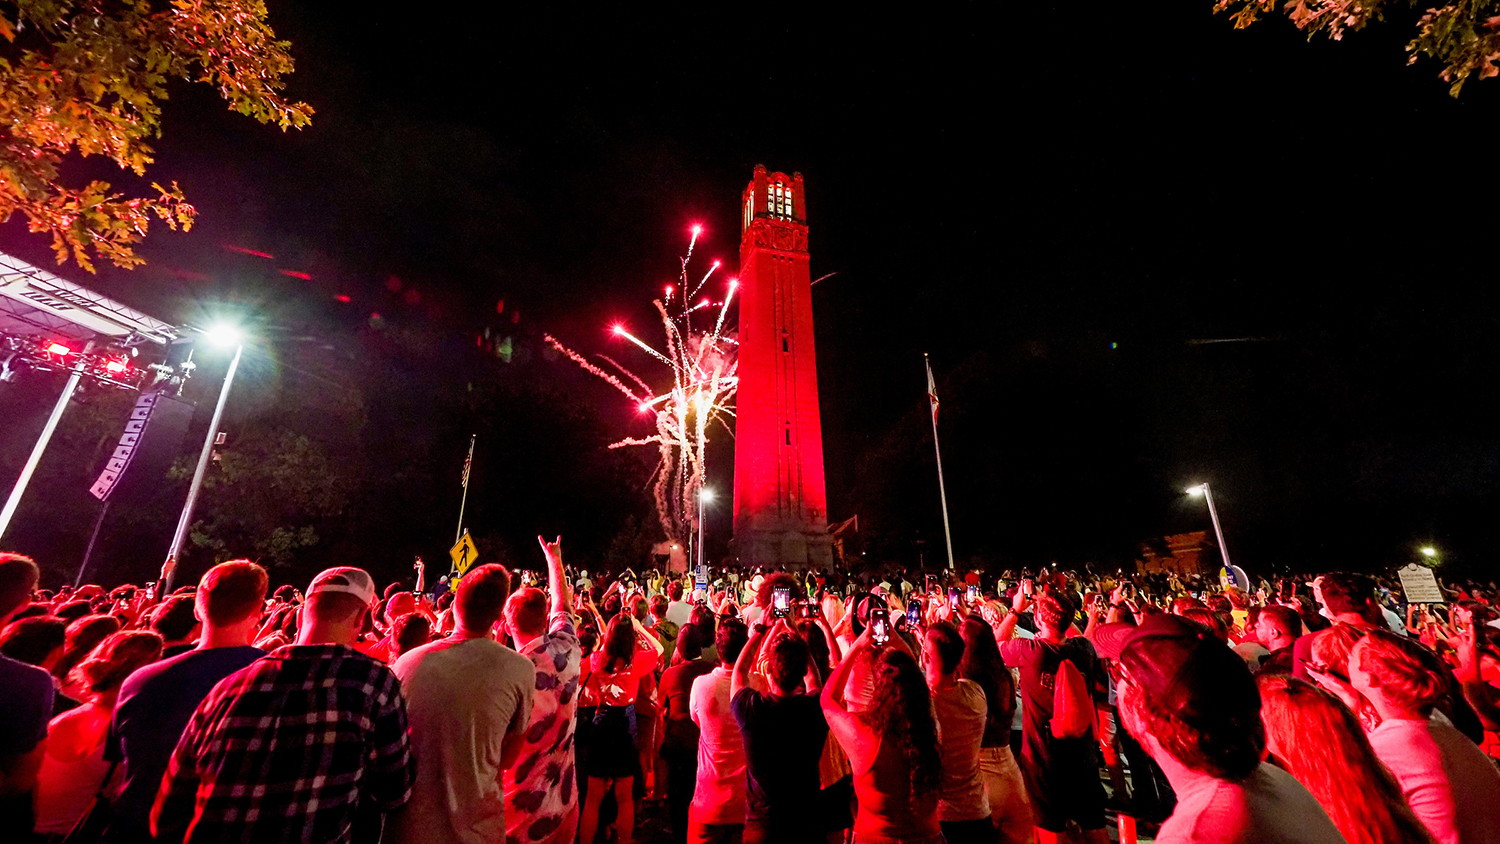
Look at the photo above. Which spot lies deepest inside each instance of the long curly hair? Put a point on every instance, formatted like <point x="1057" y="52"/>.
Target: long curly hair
<point x="1318" y="740"/>
<point x="902" y="716"/>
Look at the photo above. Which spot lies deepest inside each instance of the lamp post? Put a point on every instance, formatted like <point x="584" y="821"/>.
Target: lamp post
<point x="1203" y="490"/>
<point x="704" y="495"/>
<point x="221" y="336"/>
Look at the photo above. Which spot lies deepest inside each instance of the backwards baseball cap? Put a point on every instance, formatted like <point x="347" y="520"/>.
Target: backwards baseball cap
<point x="1180" y="666"/>
<point x="346" y="579"/>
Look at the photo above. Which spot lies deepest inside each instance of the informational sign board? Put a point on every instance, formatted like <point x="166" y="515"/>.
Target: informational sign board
<point x="464" y="554"/>
<point x="700" y="577"/>
<point x="1420" y="585"/>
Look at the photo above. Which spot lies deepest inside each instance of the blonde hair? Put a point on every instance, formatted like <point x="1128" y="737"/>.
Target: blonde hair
<point x="1316" y="739"/>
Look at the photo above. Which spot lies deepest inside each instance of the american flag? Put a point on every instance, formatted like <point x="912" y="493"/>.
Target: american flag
<point x="931" y="388"/>
<point x="468" y="462"/>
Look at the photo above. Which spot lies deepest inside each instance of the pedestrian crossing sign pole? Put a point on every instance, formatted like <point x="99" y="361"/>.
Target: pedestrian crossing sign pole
<point x="464" y="554"/>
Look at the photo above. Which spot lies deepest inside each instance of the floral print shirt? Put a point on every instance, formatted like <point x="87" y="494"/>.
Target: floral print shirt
<point x="541" y="794"/>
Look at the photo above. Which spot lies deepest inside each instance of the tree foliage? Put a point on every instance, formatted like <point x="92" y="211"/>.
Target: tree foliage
<point x="89" y="77"/>
<point x="1464" y="35"/>
<point x="268" y="495"/>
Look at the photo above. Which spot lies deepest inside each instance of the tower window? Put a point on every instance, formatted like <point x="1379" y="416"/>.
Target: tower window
<point x="749" y="209"/>
<point x="786" y="344"/>
<point x="788" y="436"/>
<point x="779" y="201"/>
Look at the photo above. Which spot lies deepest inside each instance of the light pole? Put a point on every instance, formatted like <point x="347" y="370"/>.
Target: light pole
<point x="222" y="336"/>
<point x="704" y="495"/>
<point x="1203" y="490"/>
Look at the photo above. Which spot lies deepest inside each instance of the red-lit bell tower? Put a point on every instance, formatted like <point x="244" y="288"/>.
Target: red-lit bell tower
<point x="780" y="504"/>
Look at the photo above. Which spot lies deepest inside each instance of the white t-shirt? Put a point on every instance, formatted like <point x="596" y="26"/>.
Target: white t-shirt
<point x="1268" y="807"/>
<point x="719" y="795"/>
<point x="961" y="714"/>
<point x="678" y="612"/>
<point x="1452" y="787"/>
<point x="462" y="698"/>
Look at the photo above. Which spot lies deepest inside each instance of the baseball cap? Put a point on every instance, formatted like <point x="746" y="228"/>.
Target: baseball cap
<point x="1180" y="666"/>
<point x="346" y="579"/>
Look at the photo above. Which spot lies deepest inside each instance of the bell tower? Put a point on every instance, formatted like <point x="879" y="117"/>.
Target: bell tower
<point x="780" y="503"/>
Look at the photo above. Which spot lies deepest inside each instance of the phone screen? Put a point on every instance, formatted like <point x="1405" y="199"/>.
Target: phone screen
<point x="953" y="597"/>
<point x="913" y="613"/>
<point x="880" y="625"/>
<point x="973" y="594"/>
<point x="781" y="601"/>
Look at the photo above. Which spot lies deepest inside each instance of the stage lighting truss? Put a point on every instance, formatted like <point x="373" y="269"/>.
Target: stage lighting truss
<point x="115" y="365"/>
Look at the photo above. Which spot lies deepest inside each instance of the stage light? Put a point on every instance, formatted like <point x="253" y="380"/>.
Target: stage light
<point x="222" y="335"/>
<point x="59" y="349"/>
<point x="115" y="366"/>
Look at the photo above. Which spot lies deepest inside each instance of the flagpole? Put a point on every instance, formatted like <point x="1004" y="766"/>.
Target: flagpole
<point x="937" y="450"/>
<point x="458" y="535"/>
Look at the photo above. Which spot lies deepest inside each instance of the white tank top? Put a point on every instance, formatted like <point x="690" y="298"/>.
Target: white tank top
<point x="64" y="789"/>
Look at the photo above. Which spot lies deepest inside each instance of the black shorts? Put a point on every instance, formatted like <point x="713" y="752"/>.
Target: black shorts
<point x="612" y="753"/>
<point x="1066" y="787"/>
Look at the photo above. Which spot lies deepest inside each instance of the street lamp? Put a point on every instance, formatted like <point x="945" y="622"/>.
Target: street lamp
<point x="223" y="336"/>
<point x="704" y="495"/>
<point x="1203" y="490"/>
<point x="1428" y="551"/>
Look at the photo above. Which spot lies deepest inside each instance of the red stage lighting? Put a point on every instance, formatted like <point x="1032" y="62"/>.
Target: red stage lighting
<point x="59" y="349"/>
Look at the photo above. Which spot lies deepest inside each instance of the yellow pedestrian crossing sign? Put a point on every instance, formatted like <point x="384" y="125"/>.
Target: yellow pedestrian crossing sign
<point x="464" y="554"/>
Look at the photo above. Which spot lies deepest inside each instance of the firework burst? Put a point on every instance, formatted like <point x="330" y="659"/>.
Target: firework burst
<point x="702" y="361"/>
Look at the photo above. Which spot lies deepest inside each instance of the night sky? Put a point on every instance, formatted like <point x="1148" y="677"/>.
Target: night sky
<point x="1060" y="203"/>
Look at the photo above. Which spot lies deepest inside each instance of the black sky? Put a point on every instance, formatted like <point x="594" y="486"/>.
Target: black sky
<point x="1055" y="201"/>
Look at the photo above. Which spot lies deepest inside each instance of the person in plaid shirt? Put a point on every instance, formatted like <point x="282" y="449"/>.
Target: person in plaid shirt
<point x="308" y="744"/>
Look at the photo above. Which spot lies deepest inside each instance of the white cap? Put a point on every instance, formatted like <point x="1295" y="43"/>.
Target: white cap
<point x="346" y="579"/>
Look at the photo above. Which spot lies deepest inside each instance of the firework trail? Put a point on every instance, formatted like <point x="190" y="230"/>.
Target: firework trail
<point x="703" y="367"/>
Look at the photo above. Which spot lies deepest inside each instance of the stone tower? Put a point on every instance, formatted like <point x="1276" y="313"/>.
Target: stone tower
<point x="780" y="503"/>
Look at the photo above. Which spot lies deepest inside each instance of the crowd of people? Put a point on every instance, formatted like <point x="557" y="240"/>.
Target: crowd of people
<point x="760" y="706"/>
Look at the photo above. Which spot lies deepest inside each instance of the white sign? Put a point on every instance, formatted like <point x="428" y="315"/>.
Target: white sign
<point x="1420" y="585"/>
